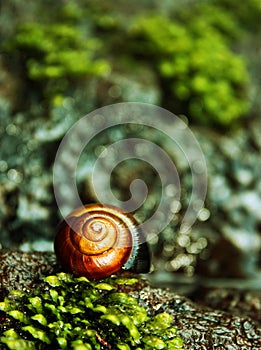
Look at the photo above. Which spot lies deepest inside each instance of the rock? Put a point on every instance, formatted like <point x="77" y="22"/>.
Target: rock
<point x="208" y="319"/>
<point x="22" y="271"/>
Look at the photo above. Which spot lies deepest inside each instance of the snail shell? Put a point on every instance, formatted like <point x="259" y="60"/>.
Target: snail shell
<point x="98" y="240"/>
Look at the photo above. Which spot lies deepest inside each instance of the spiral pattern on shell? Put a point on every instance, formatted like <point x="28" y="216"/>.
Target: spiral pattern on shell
<point x="98" y="240"/>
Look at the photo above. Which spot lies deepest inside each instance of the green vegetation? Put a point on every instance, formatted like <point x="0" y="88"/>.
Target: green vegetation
<point x="74" y="313"/>
<point x="58" y="51"/>
<point x="194" y="51"/>
<point x="54" y="52"/>
<point x="206" y="79"/>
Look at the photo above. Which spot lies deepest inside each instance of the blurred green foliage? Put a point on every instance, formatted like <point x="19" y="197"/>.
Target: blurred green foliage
<point x="63" y="51"/>
<point x="246" y="13"/>
<point x="193" y="49"/>
<point x="197" y="66"/>
<point x="56" y="51"/>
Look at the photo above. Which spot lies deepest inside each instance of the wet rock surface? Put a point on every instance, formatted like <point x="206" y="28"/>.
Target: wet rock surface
<point x="206" y="327"/>
<point x="209" y="319"/>
<point x="23" y="271"/>
<point x="247" y="303"/>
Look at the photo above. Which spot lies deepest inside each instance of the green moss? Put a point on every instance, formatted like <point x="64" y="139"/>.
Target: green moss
<point x="193" y="52"/>
<point x="74" y="313"/>
<point x="58" y="50"/>
<point x="194" y="60"/>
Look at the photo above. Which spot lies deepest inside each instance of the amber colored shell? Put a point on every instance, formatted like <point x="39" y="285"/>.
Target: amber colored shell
<point x="98" y="240"/>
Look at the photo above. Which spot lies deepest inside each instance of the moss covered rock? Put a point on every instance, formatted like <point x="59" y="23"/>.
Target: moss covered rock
<point x="74" y="313"/>
<point x="122" y="312"/>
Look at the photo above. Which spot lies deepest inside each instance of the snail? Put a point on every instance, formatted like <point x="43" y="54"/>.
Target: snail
<point x="99" y="240"/>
